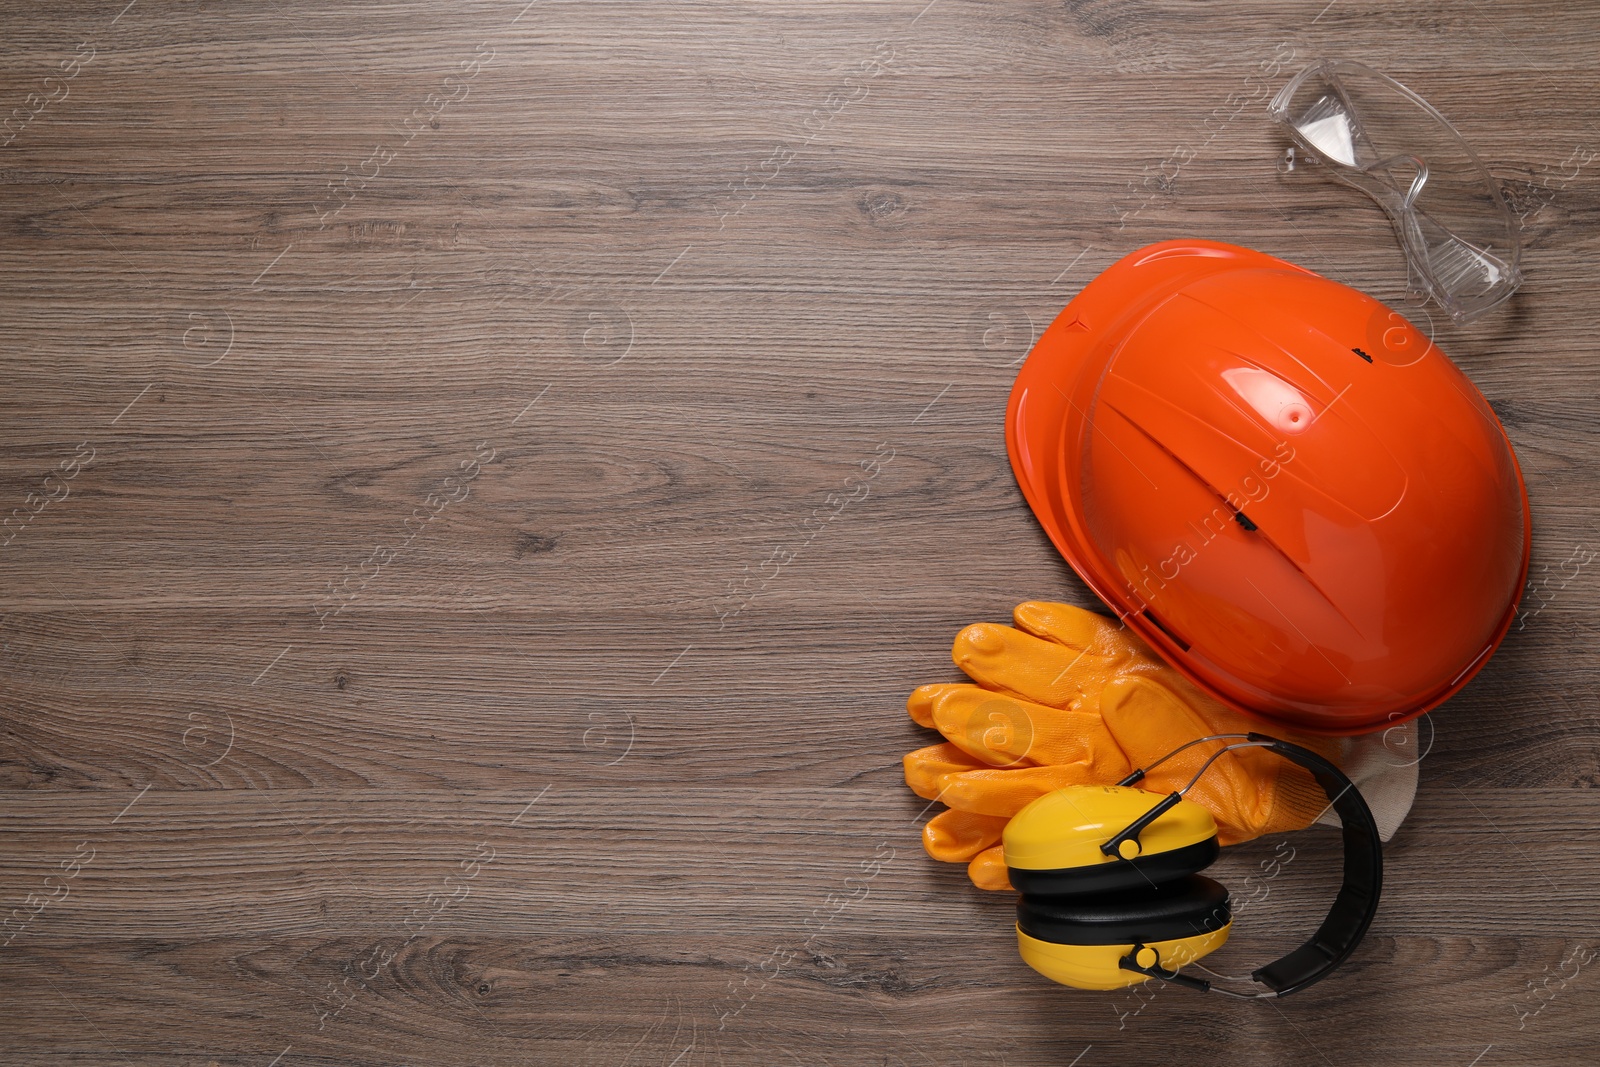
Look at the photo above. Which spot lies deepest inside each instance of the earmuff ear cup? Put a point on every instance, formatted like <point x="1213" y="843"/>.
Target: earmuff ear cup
<point x="1100" y="966"/>
<point x="1189" y="906"/>
<point x="1053" y="847"/>
<point x="1133" y="875"/>
<point x="1080" y="941"/>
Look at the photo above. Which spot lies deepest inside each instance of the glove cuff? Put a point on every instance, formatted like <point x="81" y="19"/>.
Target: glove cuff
<point x="1298" y="801"/>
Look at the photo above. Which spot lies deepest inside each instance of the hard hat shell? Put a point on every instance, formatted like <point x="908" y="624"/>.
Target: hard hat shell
<point x="1281" y="484"/>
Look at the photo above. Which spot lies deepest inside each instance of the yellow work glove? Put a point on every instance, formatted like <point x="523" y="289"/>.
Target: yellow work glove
<point x="1072" y="697"/>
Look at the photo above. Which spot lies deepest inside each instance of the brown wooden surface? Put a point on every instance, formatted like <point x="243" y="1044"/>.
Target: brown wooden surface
<point x="537" y="687"/>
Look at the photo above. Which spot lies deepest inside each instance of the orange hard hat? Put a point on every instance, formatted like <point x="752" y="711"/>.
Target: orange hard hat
<point x="1277" y="481"/>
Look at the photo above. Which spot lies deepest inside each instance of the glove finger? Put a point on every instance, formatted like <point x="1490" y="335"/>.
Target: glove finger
<point x="920" y="705"/>
<point x="1101" y="635"/>
<point x="1017" y="664"/>
<point x="957" y="836"/>
<point x="1003" y="731"/>
<point x="1074" y="627"/>
<point x="994" y="791"/>
<point x="988" y="869"/>
<point x="927" y="769"/>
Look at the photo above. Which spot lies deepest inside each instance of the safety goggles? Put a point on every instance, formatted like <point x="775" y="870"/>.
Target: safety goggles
<point x="1458" y="233"/>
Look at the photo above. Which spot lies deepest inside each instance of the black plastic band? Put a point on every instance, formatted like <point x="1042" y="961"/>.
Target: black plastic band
<point x="1353" y="908"/>
<point x="1357" y="902"/>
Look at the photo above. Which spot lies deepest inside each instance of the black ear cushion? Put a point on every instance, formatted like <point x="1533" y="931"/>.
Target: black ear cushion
<point x="1192" y="905"/>
<point x="1138" y="873"/>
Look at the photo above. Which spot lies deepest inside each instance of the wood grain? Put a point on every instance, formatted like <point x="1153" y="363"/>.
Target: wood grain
<point x="389" y="686"/>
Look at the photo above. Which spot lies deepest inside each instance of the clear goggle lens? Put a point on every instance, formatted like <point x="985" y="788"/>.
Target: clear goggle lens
<point x="1458" y="234"/>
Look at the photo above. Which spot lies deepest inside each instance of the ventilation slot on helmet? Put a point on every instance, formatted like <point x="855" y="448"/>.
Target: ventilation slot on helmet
<point x="1180" y="642"/>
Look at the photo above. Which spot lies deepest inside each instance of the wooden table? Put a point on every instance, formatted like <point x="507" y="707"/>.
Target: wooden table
<point x="420" y="641"/>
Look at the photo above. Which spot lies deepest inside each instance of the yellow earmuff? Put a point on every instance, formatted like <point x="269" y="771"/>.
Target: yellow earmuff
<point x="1096" y="897"/>
<point x="1111" y="897"/>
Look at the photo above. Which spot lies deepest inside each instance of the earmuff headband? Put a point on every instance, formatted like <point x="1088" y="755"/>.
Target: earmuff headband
<point x="1353" y="907"/>
<point x="1357" y="901"/>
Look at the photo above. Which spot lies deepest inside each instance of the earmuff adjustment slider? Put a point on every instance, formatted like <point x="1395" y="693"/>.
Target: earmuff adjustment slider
<point x="1130" y="962"/>
<point x="1130" y="834"/>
